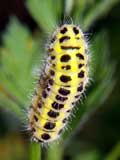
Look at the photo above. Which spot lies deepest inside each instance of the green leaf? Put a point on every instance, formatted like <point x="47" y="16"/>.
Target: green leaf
<point x="89" y="155"/>
<point x="46" y="13"/>
<point x="98" y="10"/>
<point x="18" y="55"/>
<point x="115" y="153"/>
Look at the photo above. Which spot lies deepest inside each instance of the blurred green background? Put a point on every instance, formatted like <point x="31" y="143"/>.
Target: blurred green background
<point x="94" y="131"/>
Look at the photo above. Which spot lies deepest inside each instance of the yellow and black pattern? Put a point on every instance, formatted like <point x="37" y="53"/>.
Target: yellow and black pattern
<point x="61" y="83"/>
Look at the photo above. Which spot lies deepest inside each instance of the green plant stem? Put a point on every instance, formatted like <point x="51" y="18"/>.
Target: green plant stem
<point x="55" y="152"/>
<point x="35" y="151"/>
<point x="68" y="7"/>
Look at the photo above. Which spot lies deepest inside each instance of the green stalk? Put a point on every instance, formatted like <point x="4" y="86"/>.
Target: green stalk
<point x="35" y="151"/>
<point x="55" y="152"/>
<point x="68" y="7"/>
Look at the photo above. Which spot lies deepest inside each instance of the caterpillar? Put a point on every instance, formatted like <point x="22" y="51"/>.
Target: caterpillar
<point x="61" y="84"/>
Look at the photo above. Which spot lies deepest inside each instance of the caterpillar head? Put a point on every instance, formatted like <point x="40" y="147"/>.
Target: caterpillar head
<point x="67" y="37"/>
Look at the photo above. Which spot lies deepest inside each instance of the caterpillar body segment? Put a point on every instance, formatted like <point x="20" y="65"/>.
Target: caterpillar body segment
<point x="61" y="83"/>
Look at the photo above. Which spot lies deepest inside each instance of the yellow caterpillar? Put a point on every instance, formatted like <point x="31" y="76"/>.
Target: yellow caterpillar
<point x="61" y="83"/>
